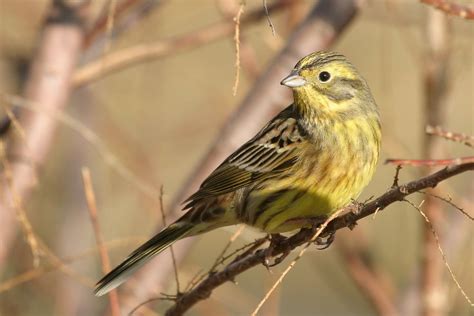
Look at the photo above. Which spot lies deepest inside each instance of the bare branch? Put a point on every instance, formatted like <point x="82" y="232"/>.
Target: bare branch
<point x="104" y="256"/>
<point x="430" y="162"/>
<point x="467" y="140"/>
<point x="49" y="85"/>
<point x="204" y="289"/>
<point x="462" y="11"/>
<point x="144" y="52"/>
<point x="440" y="249"/>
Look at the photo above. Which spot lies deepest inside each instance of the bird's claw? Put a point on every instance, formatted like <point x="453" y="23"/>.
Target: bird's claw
<point x="323" y="242"/>
<point x="275" y="239"/>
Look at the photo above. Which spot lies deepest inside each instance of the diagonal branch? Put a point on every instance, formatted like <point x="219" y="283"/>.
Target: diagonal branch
<point x="204" y="289"/>
<point x="151" y="51"/>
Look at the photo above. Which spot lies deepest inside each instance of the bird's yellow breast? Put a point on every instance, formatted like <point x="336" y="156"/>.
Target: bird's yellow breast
<point x="328" y="174"/>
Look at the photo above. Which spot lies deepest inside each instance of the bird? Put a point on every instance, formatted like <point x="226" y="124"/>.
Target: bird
<point x="311" y="159"/>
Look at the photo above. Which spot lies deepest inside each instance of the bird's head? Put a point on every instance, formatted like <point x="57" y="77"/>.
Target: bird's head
<point x="327" y="80"/>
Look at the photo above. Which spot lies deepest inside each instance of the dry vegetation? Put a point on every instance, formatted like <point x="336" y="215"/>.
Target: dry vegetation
<point x="113" y="111"/>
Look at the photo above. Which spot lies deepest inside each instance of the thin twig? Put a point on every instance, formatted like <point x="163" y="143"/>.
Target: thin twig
<point x="440" y="249"/>
<point x="173" y="257"/>
<point x="19" y="208"/>
<point x="110" y="25"/>
<point x="267" y="14"/>
<point x="430" y="162"/>
<point x="467" y="140"/>
<point x="462" y="11"/>
<point x="137" y="54"/>
<point x="237" y="47"/>
<point x="396" y="176"/>
<point x="108" y="157"/>
<point x="104" y="256"/>
<point x="101" y="24"/>
<point x="449" y="200"/>
<point x="232" y="238"/>
<point x="50" y="266"/>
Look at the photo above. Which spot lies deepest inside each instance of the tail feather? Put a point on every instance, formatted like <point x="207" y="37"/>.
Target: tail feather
<point x="140" y="256"/>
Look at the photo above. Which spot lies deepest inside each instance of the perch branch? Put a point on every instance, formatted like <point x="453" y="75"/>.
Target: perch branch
<point x="204" y="289"/>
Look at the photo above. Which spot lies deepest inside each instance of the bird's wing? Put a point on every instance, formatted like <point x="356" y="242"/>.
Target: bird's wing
<point x="273" y="150"/>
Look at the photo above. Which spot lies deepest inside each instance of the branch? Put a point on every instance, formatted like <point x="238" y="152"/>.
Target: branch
<point x="323" y="25"/>
<point x="141" y="53"/>
<point x="104" y="256"/>
<point x="204" y="289"/>
<point x="462" y="11"/>
<point x="48" y="84"/>
<point x="467" y="140"/>
<point x="430" y="162"/>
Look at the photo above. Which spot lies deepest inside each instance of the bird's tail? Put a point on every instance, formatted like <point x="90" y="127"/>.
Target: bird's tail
<point x="141" y="255"/>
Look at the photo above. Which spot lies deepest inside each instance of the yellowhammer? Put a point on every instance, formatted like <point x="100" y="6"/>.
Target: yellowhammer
<point x="311" y="159"/>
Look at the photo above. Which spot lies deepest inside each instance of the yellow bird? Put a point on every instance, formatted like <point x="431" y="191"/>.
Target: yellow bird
<point x="307" y="162"/>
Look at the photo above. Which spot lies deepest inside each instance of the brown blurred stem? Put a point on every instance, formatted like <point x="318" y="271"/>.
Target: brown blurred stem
<point x="204" y="289"/>
<point x="433" y="289"/>
<point x="48" y="84"/>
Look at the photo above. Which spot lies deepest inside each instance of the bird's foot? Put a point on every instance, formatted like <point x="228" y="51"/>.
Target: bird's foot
<point x="275" y="240"/>
<point x="323" y="242"/>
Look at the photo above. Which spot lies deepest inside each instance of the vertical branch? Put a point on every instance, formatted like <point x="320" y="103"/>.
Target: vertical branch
<point x="435" y="81"/>
<point x="49" y="85"/>
<point x="237" y="47"/>
<point x="104" y="257"/>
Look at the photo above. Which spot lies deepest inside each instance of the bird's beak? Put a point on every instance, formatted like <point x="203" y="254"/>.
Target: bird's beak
<point x="293" y="80"/>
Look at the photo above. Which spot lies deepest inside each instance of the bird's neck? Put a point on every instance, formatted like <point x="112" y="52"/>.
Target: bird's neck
<point x="317" y="109"/>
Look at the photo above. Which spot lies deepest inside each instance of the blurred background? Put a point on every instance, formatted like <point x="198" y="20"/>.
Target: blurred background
<point x="150" y="123"/>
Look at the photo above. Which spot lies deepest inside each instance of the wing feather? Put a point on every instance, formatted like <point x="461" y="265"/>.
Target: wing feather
<point x="273" y="150"/>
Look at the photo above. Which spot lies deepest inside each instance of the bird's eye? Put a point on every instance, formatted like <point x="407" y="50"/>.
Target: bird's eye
<point x="324" y="76"/>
